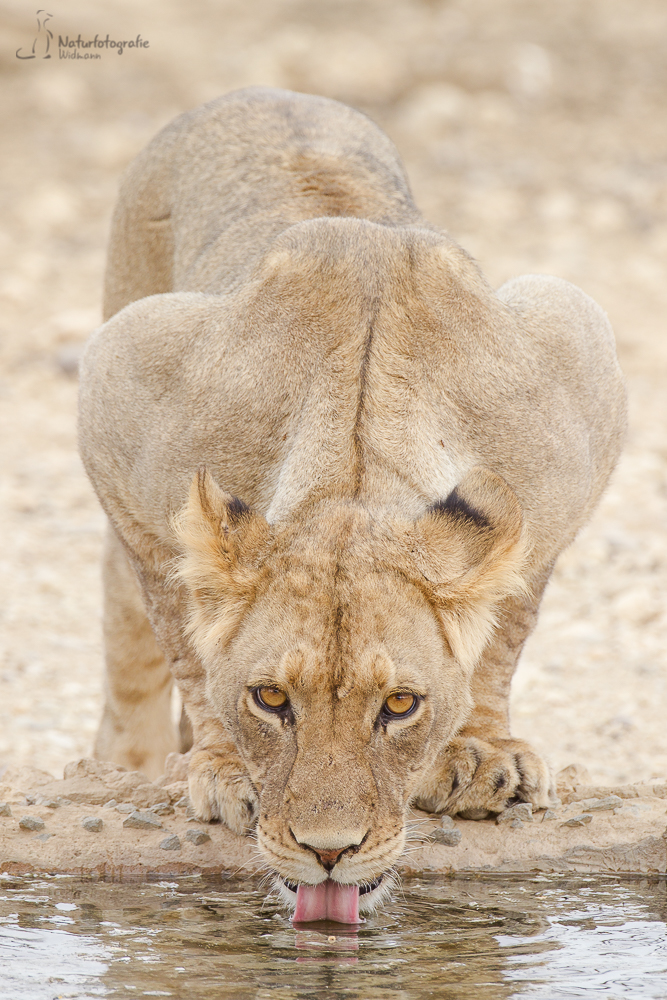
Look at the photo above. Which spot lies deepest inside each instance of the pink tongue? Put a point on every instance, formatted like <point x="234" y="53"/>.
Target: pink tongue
<point x="327" y="901"/>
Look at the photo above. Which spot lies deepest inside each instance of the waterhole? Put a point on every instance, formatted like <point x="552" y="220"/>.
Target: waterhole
<point x="463" y="937"/>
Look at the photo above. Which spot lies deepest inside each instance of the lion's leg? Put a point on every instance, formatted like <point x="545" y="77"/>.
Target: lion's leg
<point x="220" y="786"/>
<point x="483" y="768"/>
<point x="136" y="729"/>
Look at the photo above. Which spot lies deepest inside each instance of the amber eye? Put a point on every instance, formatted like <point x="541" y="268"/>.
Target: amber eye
<point x="400" y="704"/>
<point x="271" y="698"/>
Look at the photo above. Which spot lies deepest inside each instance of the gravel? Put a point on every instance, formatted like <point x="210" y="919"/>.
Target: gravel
<point x="31" y="823"/>
<point x="163" y="809"/>
<point x="583" y="820"/>
<point x="171" y="843"/>
<point x="522" y="811"/>
<point x="197" y="836"/>
<point x="450" y="838"/>
<point x="593" y="805"/>
<point x="142" y="821"/>
<point x="92" y="823"/>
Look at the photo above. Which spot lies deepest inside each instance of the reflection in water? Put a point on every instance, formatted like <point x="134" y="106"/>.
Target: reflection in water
<point x="483" y="938"/>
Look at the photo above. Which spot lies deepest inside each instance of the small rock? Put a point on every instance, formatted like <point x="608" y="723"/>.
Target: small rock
<point x="125" y="807"/>
<point x="447" y="823"/>
<point x="197" y="836"/>
<point x="44" y="836"/>
<point x="183" y="802"/>
<point x="450" y="838"/>
<point x="142" y="821"/>
<point x="582" y="820"/>
<point x="92" y="823"/>
<point x="31" y="823"/>
<point x="522" y="811"/>
<point x="163" y="809"/>
<point x="5" y="809"/>
<point x="516" y="823"/>
<point x="549" y="814"/>
<point x="63" y="801"/>
<point x="592" y="805"/>
<point x="51" y="803"/>
<point x="171" y="843"/>
<point x="111" y="804"/>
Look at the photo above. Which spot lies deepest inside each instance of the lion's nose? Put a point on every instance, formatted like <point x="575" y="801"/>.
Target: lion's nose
<point x="329" y="857"/>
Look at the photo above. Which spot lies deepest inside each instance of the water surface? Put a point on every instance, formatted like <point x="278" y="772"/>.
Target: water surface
<point x="485" y="938"/>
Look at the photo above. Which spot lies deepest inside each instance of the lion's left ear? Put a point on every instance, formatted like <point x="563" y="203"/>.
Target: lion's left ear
<point x="222" y="540"/>
<point x="470" y="548"/>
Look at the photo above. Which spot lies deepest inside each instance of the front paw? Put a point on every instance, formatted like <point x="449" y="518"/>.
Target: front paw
<point x="221" y="789"/>
<point x="477" y="777"/>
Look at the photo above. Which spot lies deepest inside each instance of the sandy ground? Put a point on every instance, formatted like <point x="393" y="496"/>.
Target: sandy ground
<point x="116" y="824"/>
<point x="534" y="132"/>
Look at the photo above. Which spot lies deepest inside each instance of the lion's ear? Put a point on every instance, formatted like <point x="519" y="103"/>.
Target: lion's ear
<point x="471" y="550"/>
<point x="221" y="539"/>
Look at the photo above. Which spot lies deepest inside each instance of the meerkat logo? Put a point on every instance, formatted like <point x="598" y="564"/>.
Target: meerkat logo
<point x="42" y="42"/>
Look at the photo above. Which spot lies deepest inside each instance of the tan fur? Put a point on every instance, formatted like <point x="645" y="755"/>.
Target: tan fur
<point x="412" y="451"/>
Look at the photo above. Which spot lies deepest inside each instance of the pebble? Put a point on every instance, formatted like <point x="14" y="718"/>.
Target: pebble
<point x="142" y="821"/>
<point x="522" y="811"/>
<point x="163" y="809"/>
<point x="52" y="803"/>
<point x="197" y="836"/>
<point x="5" y="809"/>
<point x="111" y="804"/>
<point x="516" y="823"/>
<point x="549" y="814"/>
<point x="582" y="820"/>
<point x="631" y="809"/>
<point x="31" y="823"/>
<point x="450" y="838"/>
<point x="171" y="843"/>
<point x="125" y="807"/>
<point x="447" y="823"/>
<point x="92" y="823"/>
<point x="44" y="836"/>
<point x="183" y="802"/>
<point x="608" y="802"/>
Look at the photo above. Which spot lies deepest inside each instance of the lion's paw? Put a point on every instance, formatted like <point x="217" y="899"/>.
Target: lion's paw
<point x="477" y="777"/>
<point x="221" y="789"/>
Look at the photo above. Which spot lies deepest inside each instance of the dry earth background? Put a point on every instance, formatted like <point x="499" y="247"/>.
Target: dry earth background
<point x="535" y="132"/>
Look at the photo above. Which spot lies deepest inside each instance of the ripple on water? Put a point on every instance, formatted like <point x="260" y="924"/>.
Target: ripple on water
<point x="486" y="938"/>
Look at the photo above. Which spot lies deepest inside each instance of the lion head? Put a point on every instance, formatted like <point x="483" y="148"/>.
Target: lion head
<point x="338" y="647"/>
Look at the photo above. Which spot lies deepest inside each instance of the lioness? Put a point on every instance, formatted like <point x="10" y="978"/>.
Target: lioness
<point x="338" y="468"/>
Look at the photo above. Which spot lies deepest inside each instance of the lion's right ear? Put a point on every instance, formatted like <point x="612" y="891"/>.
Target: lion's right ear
<point x="222" y="540"/>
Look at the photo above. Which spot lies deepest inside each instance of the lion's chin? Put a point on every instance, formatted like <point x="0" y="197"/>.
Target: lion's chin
<point x="331" y="900"/>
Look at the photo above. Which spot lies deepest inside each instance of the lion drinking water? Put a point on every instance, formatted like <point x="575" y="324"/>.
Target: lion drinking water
<point x="338" y="468"/>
